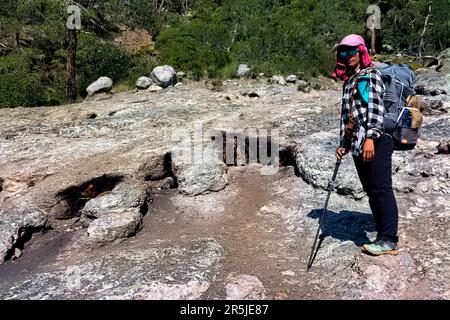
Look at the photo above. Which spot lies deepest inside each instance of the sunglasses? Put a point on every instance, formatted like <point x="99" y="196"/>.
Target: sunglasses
<point x="345" y="54"/>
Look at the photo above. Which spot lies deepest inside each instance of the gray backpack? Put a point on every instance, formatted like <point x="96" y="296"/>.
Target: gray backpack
<point x="401" y="120"/>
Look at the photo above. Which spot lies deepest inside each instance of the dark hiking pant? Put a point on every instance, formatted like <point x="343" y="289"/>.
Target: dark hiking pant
<point x="376" y="178"/>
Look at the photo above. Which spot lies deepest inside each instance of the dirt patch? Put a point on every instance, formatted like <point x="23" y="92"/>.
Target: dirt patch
<point x="133" y="40"/>
<point x="25" y="235"/>
<point x="255" y="244"/>
<point x="40" y="252"/>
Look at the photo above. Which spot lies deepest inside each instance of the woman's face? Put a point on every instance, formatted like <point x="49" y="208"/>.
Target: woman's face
<point x="349" y="56"/>
<point x="353" y="62"/>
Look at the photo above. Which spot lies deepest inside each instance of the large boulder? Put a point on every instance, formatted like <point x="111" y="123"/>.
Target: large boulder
<point x="204" y="177"/>
<point x="144" y="82"/>
<point x="124" y="196"/>
<point x="436" y="83"/>
<point x="243" y="70"/>
<point x="164" y="76"/>
<point x="18" y="224"/>
<point x="114" y="226"/>
<point x="316" y="161"/>
<point x="117" y="214"/>
<point x="102" y="84"/>
<point x="291" y="78"/>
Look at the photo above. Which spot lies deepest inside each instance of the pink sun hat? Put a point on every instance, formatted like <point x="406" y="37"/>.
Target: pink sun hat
<point x="352" y="40"/>
<point x="355" y="40"/>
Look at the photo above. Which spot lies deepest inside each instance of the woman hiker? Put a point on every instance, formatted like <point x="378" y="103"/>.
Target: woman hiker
<point x="361" y="134"/>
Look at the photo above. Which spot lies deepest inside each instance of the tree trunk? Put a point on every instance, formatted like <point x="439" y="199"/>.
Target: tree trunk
<point x="373" y="35"/>
<point x="234" y="37"/>
<point x="71" y="58"/>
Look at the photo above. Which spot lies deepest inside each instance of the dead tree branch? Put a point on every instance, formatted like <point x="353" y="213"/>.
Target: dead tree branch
<point x="421" y="44"/>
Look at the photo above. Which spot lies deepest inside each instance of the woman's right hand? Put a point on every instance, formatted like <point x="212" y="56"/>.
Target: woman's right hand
<point x="340" y="152"/>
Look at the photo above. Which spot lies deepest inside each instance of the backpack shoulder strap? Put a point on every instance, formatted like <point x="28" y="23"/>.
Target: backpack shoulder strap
<point x="363" y="84"/>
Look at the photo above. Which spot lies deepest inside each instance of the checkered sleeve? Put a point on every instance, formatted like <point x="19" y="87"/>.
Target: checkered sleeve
<point x="375" y="107"/>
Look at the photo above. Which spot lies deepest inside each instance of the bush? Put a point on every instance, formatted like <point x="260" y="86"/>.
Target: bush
<point x="142" y="65"/>
<point x="56" y="93"/>
<point x="197" y="46"/>
<point x="20" y="85"/>
<point x="227" y="72"/>
<point x="97" y="58"/>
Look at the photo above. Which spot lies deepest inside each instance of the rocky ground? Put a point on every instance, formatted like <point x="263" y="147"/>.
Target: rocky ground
<point x="93" y="204"/>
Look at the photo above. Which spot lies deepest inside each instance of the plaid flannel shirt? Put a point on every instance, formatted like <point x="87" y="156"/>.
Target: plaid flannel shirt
<point x="368" y="116"/>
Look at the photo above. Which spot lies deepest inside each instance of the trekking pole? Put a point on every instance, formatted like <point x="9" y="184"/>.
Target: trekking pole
<point x="330" y="188"/>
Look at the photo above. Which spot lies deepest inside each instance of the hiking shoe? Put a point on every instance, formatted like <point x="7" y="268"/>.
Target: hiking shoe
<point x="380" y="247"/>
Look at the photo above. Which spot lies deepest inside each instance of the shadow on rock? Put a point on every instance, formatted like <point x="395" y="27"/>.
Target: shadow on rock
<point x="345" y="225"/>
<point x="74" y="198"/>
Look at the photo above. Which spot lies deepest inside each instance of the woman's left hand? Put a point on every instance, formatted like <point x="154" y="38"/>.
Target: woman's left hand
<point x="368" y="150"/>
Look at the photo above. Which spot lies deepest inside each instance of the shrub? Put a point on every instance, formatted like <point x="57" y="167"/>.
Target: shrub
<point x="142" y="65"/>
<point x="20" y="85"/>
<point x="196" y="46"/>
<point x="97" y="58"/>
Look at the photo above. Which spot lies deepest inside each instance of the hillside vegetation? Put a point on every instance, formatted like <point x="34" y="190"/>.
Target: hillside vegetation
<point x="203" y="38"/>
